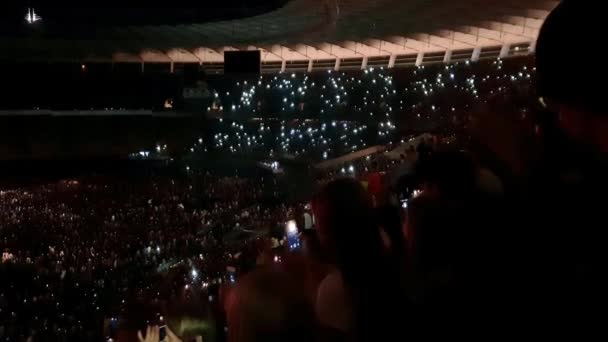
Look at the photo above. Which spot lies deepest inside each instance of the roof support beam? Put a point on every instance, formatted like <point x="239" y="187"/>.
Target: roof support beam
<point x="407" y="43"/>
<point x="381" y="45"/>
<point x="432" y="41"/>
<point x="504" y="51"/>
<point x="480" y="33"/>
<point x="312" y="52"/>
<point x="351" y="46"/>
<point x="329" y="48"/>
<point x="287" y="53"/>
<point x="267" y="56"/>
<point x="182" y="56"/>
<point x="448" y="56"/>
<point x="391" y="61"/>
<point x="524" y="22"/>
<point x="476" y="54"/>
<point x="456" y="36"/>
<point x="420" y="58"/>
<point x="364" y="49"/>
<point x="506" y="28"/>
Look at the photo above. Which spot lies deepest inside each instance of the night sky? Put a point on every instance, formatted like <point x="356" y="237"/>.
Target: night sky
<point x="70" y="14"/>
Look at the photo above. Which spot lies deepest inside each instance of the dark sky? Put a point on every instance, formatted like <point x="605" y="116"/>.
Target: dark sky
<point x="70" y="14"/>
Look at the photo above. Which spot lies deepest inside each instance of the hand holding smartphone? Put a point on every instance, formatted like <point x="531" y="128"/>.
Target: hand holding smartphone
<point x="293" y="237"/>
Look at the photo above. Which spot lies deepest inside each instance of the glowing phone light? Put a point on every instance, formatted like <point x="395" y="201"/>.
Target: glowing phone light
<point x="292" y="228"/>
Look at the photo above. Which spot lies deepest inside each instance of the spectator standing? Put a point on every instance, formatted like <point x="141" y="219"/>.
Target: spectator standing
<point x="359" y="299"/>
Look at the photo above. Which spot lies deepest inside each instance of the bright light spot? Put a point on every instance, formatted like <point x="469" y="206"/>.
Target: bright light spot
<point x="31" y="16"/>
<point x="292" y="228"/>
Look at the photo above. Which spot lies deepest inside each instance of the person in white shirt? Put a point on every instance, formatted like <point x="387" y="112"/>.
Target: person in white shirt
<point x="308" y="221"/>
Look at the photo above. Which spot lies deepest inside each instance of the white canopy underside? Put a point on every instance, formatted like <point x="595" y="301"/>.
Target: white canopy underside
<point x="318" y="34"/>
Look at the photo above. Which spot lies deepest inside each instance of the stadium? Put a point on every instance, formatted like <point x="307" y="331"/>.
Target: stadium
<point x="306" y="35"/>
<point x="78" y="63"/>
<point x="297" y="170"/>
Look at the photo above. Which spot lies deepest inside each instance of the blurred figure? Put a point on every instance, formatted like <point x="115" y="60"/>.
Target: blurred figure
<point x="268" y="306"/>
<point x="359" y="299"/>
<point x="569" y="88"/>
<point x="375" y="185"/>
<point x="308" y="219"/>
<point x="389" y="219"/>
<point x="565" y="198"/>
<point x="556" y="193"/>
<point x="451" y="174"/>
<point x="453" y="234"/>
<point x="437" y="218"/>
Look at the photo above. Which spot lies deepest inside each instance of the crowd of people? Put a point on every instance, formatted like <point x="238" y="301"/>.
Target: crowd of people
<point x="98" y="256"/>
<point x="78" y="252"/>
<point x="325" y="115"/>
<point x="499" y="227"/>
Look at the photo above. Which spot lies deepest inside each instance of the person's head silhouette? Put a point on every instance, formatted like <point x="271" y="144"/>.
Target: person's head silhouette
<point x="570" y="77"/>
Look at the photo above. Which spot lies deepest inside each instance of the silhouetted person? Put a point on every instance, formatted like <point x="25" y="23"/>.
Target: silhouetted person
<point x="360" y="297"/>
<point x="390" y="220"/>
<point x="452" y="230"/>
<point x="564" y="222"/>
<point x="268" y="306"/>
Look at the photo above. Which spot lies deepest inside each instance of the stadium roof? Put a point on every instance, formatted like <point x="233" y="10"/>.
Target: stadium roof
<point x="315" y="34"/>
